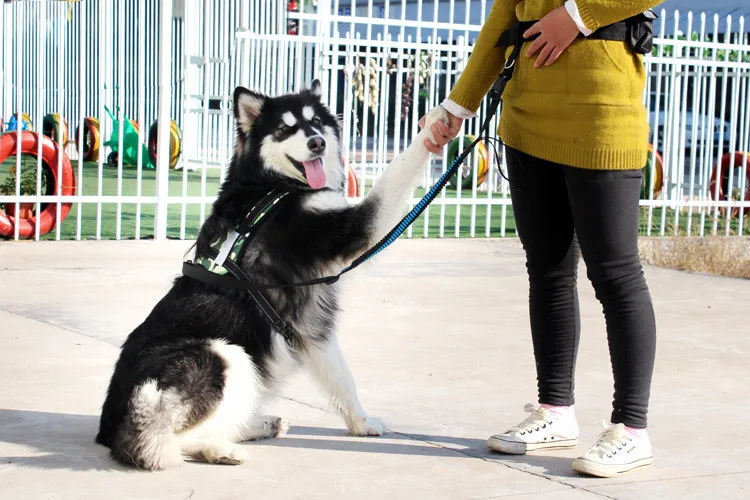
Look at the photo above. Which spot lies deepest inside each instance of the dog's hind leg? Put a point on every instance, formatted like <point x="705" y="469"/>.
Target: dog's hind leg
<point x="146" y="439"/>
<point x="328" y="366"/>
<point x="214" y="440"/>
<point x="188" y="389"/>
<point x="214" y="451"/>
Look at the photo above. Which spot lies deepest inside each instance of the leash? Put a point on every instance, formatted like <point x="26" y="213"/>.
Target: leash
<point x="636" y="31"/>
<point x="237" y="279"/>
<point x="200" y="273"/>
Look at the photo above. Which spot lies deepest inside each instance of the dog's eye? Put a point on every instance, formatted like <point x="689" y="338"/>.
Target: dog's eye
<point x="316" y="121"/>
<point x="284" y="128"/>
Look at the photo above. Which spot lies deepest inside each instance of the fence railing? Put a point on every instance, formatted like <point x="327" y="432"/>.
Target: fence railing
<point x="697" y="96"/>
<point x="383" y="64"/>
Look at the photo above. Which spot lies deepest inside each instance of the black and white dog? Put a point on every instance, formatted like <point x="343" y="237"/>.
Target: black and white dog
<point x="192" y="378"/>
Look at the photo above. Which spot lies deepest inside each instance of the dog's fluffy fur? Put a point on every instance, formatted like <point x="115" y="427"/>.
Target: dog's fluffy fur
<point x="192" y="378"/>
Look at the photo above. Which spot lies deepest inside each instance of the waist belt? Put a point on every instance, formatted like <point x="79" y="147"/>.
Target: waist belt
<point x="637" y="31"/>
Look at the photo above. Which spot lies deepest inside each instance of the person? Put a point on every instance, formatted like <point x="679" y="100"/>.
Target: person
<point x="576" y="137"/>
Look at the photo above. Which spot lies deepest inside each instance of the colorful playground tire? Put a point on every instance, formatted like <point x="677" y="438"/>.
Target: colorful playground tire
<point x="352" y="189"/>
<point x="658" y="175"/>
<point x="175" y="143"/>
<point x="112" y="159"/>
<point x="91" y="140"/>
<point x="51" y="128"/>
<point x="740" y="159"/>
<point x="67" y="184"/>
<point x="482" y="169"/>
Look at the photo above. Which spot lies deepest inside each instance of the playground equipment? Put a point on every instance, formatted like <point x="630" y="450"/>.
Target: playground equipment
<point x="352" y="183"/>
<point x="90" y="138"/>
<point x="51" y="128"/>
<point x="26" y="123"/>
<point x="352" y="190"/>
<point x="465" y="170"/>
<point x="722" y="172"/>
<point x="658" y="180"/>
<point x="175" y="143"/>
<point x="130" y="142"/>
<point x="66" y="184"/>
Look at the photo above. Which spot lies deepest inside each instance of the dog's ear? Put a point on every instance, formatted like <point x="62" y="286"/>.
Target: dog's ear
<point x="316" y="88"/>
<point x="247" y="106"/>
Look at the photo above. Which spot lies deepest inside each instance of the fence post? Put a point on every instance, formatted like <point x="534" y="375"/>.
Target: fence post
<point x="165" y="97"/>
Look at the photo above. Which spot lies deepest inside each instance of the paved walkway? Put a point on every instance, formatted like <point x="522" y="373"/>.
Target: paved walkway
<point x="436" y="334"/>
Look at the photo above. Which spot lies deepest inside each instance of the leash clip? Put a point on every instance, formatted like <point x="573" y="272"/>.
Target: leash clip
<point x="331" y="280"/>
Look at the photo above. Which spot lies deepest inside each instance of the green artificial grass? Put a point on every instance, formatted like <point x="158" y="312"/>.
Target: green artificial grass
<point x="192" y="216"/>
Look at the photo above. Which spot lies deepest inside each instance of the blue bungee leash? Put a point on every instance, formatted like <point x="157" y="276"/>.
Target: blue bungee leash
<point x="495" y="94"/>
<point x="237" y="279"/>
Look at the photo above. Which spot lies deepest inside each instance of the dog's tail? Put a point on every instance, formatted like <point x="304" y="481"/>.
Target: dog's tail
<point x="147" y="438"/>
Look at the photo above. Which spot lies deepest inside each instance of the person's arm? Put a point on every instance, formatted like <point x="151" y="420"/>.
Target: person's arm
<point x="461" y="112"/>
<point x="486" y="60"/>
<point x="598" y="13"/>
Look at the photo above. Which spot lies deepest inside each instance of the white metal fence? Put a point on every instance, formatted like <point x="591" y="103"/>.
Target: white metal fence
<point x="383" y="64"/>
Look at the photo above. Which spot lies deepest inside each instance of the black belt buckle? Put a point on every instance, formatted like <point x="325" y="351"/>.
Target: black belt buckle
<point x="640" y="32"/>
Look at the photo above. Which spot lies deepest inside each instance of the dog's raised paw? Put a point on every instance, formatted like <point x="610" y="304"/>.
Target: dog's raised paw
<point x="437" y="113"/>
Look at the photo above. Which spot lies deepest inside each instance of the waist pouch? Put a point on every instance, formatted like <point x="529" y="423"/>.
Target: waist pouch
<point x="636" y="31"/>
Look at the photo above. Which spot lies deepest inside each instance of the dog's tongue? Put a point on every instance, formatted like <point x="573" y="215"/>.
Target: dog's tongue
<point x="316" y="177"/>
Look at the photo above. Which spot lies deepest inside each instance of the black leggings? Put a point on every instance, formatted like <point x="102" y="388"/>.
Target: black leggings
<point x="555" y="205"/>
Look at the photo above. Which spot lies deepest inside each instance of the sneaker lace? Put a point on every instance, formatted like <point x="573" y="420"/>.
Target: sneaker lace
<point x="539" y="419"/>
<point x="611" y="440"/>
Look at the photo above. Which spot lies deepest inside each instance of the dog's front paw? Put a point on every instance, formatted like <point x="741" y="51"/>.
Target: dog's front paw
<point x="367" y="426"/>
<point x="437" y="113"/>
<point x="280" y="427"/>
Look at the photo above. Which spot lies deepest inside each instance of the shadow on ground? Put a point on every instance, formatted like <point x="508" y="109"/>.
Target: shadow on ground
<point x="66" y="441"/>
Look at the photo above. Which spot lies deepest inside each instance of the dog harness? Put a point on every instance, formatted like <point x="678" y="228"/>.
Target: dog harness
<point x="221" y="267"/>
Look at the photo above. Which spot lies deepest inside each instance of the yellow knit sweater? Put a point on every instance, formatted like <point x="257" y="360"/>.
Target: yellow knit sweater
<point x="586" y="109"/>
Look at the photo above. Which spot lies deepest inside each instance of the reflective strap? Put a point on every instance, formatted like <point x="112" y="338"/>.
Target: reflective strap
<point x="226" y="247"/>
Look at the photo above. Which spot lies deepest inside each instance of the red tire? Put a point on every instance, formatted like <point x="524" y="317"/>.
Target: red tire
<point x="67" y="184"/>
<point x="352" y="190"/>
<point x="726" y="160"/>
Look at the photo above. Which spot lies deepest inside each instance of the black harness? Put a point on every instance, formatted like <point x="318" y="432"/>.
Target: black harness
<point x="221" y="266"/>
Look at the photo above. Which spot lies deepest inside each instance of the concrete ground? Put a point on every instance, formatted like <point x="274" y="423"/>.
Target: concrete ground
<point x="436" y="334"/>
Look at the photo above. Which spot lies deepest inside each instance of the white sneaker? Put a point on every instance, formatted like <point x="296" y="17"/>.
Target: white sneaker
<point x="615" y="453"/>
<point x="541" y="430"/>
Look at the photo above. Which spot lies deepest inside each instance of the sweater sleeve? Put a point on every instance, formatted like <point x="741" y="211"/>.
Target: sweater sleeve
<point x="486" y="60"/>
<point x="598" y="13"/>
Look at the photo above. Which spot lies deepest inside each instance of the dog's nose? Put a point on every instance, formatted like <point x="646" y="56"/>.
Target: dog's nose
<point x="317" y="145"/>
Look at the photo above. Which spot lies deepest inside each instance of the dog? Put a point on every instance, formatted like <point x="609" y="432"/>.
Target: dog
<point x="191" y="380"/>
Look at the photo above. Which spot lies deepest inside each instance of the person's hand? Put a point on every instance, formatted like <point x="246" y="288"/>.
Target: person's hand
<point x="443" y="133"/>
<point x="558" y="30"/>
